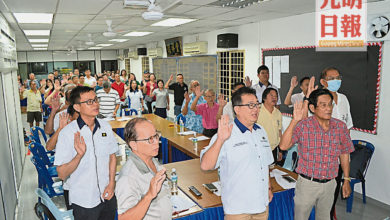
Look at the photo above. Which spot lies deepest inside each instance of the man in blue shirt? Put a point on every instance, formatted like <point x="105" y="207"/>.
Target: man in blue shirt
<point x="242" y="154"/>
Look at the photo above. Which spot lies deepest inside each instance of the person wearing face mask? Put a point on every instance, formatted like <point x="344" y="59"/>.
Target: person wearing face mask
<point x="331" y="79"/>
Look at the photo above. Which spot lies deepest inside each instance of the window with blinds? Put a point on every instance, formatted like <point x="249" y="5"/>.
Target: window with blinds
<point x="231" y="70"/>
<point x="145" y="64"/>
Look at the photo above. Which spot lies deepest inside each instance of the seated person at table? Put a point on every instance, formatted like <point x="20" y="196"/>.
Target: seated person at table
<point x="242" y="154"/>
<point x="193" y="121"/>
<point x="142" y="190"/>
<point x="207" y="110"/>
<point x="271" y="119"/>
<point x="298" y="97"/>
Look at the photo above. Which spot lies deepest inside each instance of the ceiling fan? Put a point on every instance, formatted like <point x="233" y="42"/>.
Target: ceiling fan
<point x="90" y="41"/>
<point x="110" y="32"/>
<point x="154" y="11"/>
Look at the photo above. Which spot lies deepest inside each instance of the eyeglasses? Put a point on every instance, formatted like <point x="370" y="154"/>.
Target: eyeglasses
<point x="91" y="101"/>
<point x="324" y="105"/>
<point x="209" y="96"/>
<point x="152" y="139"/>
<point x="334" y="78"/>
<point x="251" y="105"/>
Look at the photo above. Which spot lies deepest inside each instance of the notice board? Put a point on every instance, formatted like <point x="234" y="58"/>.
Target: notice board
<point x="360" y="72"/>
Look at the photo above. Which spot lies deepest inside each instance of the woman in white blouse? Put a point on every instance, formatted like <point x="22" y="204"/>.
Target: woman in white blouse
<point x="162" y="99"/>
<point x="134" y="97"/>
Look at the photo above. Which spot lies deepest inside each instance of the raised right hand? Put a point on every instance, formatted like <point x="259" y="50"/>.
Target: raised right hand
<point x="64" y="119"/>
<point x="248" y="82"/>
<point x="298" y="113"/>
<point x="171" y="77"/>
<point x="55" y="103"/>
<point x="79" y="144"/>
<point x="187" y="97"/>
<point x="294" y="82"/>
<point x="156" y="183"/>
<point x="224" y="128"/>
<point x="198" y="92"/>
<point x="311" y="87"/>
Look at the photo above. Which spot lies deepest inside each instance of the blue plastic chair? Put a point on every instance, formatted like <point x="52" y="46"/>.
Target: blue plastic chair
<point x="35" y="132"/>
<point x="182" y="117"/>
<point x="45" y="181"/>
<point x="38" y="151"/>
<point x="58" y="214"/>
<point x="292" y="158"/>
<point x="133" y="111"/>
<point x="360" y="176"/>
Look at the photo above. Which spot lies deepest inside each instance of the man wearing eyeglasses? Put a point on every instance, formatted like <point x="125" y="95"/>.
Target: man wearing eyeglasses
<point x="85" y="158"/>
<point x="142" y="189"/>
<point x="322" y="142"/>
<point x="242" y="154"/>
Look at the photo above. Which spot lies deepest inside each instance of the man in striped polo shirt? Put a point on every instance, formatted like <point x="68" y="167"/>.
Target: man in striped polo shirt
<point x="109" y="100"/>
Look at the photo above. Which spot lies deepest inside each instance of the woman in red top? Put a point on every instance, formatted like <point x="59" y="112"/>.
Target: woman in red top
<point x="148" y="89"/>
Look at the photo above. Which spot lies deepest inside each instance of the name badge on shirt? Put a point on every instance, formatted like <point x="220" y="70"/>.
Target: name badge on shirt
<point x="240" y="144"/>
<point x="104" y="134"/>
<point x="263" y="139"/>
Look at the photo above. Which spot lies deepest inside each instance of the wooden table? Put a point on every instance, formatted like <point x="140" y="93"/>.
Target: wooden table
<point x="166" y="127"/>
<point x="186" y="146"/>
<point x="190" y="174"/>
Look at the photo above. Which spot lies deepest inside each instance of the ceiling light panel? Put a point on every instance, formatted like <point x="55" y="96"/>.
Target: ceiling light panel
<point x="37" y="32"/>
<point x="40" y="48"/>
<point x="172" y="22"/>
<point x="95" y="48"/>
<point x="104" y="45"/>
<point x="34" y="18"/>
<point x="137" y="34"/>
<point x="39" y="45"/>
<point x="38" y="40"/>
<point x="119" y="40"/>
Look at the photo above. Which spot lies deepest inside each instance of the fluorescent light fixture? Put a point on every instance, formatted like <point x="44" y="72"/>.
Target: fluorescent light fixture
<point x="119" y="40"/>
<point x="37" y="32"/>
<point x="40" y="48"/>
<point x="171" y="22"/>
<point x="104" y="45"/>
<point x="95" y="48"/>
<point x="39" y="45"/>
<point x="34" y="18"/>
<point x="137" y="34"/>
<point x="38" y="40"/>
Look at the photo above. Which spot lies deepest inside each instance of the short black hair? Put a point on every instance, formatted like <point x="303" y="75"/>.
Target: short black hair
<point x="179" y="74"/>
<point x="323" y="73"/>
<point x="262" y="67"/>
<point x="99" y="77"/>
<point x="130" y="133"/>
<point x="237" y="96"/>
<point x="236" y="84"/>
<point x="131" y="88"/>
<point x="81" y="75"/>
<point x="313" y="98"/>
<point x="71" y="110"/>
<point x="266" y="92"/>
<point x="303" y="79"/>
<point x="74" y="76"/>
<point x="160" y="80"/>
<point x="77" y="92"/>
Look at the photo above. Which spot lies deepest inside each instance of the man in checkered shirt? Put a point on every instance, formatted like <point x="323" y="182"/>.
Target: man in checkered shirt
<point x="322" y="141"/>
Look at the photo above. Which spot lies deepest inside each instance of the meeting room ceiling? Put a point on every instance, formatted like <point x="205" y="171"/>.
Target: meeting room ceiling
<point x="73" y="20"/>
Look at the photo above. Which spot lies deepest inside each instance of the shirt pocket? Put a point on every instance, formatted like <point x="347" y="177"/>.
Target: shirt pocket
<point x="103" y="148"/>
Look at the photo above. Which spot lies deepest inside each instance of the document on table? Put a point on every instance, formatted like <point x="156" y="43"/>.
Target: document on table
<point x="217" y="184"/>
<point x="187" y="133"/>
<point x="275" y="172"/>
<point x="284" y="183"/>
<point x="200" y="138"/>
<point x="124" y="119"/>
<point x="109" y="119"/>
<point x="180" y="204"/>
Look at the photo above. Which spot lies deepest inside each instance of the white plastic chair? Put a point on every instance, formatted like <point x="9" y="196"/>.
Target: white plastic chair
<point x="58" y="214"/>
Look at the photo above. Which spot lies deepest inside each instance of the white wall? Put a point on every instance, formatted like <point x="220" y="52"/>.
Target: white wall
<point x="299" y="31"/>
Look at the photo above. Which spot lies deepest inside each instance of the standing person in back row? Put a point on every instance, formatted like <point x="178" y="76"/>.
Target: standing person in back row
<point x="242" y="154"/>
<point x="34" y="103"/>
<point x="322" y="141"/>
<point x="85" y="158"/>
<point x="179" y="88"/>
<point x="263" y="75"/>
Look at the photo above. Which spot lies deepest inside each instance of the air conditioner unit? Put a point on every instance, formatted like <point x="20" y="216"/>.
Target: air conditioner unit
<point x="195" y="48"/>
<point x="133" y="55"/>
<point x="155" y="52"/>
<point x="136" y="4"/>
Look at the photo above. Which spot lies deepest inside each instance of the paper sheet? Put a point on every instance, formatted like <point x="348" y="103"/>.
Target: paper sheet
<point x="187" y="133"/>
<point x="268" y="63"/>
<point x="276" y="71"/>
<point x="124" y="119"/>
<point x="180" y="204"/>
<point x="277" y="172"/>
<point x="285" y="64"/>
<point x="109" y="119"/>
<point x="217" y="184"/>
<point x="200" y="138"/>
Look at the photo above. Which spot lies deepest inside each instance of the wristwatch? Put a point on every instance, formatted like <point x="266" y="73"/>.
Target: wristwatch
<point x="347" y="178"/>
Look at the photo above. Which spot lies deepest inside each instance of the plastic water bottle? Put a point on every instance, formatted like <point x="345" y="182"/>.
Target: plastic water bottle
<point x="140" y="112"/>
<point x="195" y="142"/>
<point x="175" y="124"/>
<point x="181" y="126"/>
<point x="123" y="112"/>
<point x="174" y="190"/>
